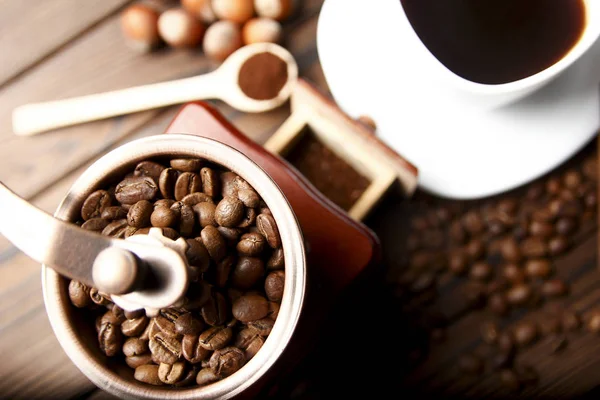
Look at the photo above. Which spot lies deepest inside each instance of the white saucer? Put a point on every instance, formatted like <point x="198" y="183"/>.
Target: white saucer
<point x="461" y="150"/>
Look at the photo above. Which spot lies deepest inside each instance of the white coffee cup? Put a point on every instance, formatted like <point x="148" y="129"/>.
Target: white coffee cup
<point x="478" y="94"/>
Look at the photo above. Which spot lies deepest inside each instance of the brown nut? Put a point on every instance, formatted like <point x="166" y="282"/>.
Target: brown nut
<point x="139" y="25"/>
<point x="221" y="39"/>
<point x="180" y="29"/>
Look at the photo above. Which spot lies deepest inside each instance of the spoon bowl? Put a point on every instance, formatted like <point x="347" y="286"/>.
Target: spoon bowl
<point x="222" y="84"/>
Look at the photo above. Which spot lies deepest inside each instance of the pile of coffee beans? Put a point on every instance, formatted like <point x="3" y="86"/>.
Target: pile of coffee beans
<point x="498" y="256"/>
<point x="236" y="271"/>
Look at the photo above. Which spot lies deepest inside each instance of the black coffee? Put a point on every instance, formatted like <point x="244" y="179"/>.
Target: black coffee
<point x="497" y="41"/>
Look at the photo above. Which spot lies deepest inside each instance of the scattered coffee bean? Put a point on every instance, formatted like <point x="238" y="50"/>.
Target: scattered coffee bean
<point x="525" y="333"/>
<point x="519" y="294"/>
<point x="554" y="288"/>
<point x="593" y="324"/>
<point x="538" y="268"/>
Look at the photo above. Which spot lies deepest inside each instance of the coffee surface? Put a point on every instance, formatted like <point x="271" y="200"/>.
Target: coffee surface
<point x="263" y="76"/>
<point x="497" y="41"/>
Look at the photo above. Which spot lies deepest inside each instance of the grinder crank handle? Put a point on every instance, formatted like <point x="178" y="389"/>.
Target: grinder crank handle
<point x="113" y="266"/>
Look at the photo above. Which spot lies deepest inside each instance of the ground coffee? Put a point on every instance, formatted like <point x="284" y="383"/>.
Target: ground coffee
<point x="263" y="76"/>
<point x="331" y="175"/>
<point x="236" y="271"/>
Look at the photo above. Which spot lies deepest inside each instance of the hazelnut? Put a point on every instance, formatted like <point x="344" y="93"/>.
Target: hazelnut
<point x="259" y="30"/>
<point x="180" y="29"/>
<point x="238" y="11"/>
<point x="201" y="9"/>
<point x="276" y="9"/>
<point x="139" y="24"/>
<point x="222" y="38"/>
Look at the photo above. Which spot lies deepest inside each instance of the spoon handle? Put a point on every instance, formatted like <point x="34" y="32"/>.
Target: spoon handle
<point x="30" y="119"/>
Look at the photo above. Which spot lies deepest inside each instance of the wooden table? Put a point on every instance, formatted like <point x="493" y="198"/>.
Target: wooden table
<point x="55" y="49"/>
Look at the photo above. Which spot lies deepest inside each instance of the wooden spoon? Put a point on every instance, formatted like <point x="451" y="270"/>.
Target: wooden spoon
<point x="30" y="119"/>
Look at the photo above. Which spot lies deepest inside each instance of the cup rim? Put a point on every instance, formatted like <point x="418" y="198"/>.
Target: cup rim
<point x="589" y="36"/>
<point x="57" y="302"/>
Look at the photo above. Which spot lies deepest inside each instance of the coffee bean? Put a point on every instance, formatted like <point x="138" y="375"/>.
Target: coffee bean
<point x="132" y="190"/>
<point x="527" y="375"/>
<point x="99" y="298"/>
<point x="139" y="214"/>
<point x="276" y="261"/>
<point x="519" y="294"/>
<point x="497" y="286"/>
<point x="570" y="321"/>
<point x="510" y="380"/>
<point x="490" y="332"/>
<point x="457" y="233"/>
<point x="211" y="184"/>
<point x="249" y="197"/>
<point x="473" y="223"/>
<point x="216" y="337"/>
<point x="166" y="182"/>
<point x="510" y="250"/>
<point x="506" y="343"/>
<point x="79" y="294"/>
<point x="205" y="213"/>
<point x="457" y="263"/>
<point x="197" y="295"/>
<point x="113" y="213"/>
<point x="249" y="218"/>
<point x="572" y="179"/>
<point x="247" y="272"/>
<point x="188" y="182"/>
<point x="95" y="224"/>
<point x="268" y="228"/>
<point x="228" y="186"/>
<point x="186" y="164"/>
<point x="273" y="310"/>
<point x="135" y="347"/>
<point x="224" y="268"/>
<point x="196" y="198"/>
<point x="224" y="362"/>
<point x="215" y="311"/>
<point x="263" y="326"/>
<point x="148" y="374"/>
<point x="470" y="364"/>
<point x="250" y="308"/>
<point x="525" y="333"/>
<point x="538" y="268"/>
<point x="553" y="185"/>
<point x="475" y="249"/>
<point x="163" y="217"/>
<point x="554" y="288"/>
<point x="171" y="373"/>
<point x="497" y="304"/>
<point x="214" y="242"/>
<point x="150" y="169"/>
<point x="481" y="271"/>
<point x="534" y="247"/>
<point x="164" y="348"/>
<point x="135" y="326"/>
<point x="197" y="255"/>
<point x="186" y="324"/>
<point x="420" y="260"/>
<point x="192" y="349"/>
<point x="558" y="245"/>
<point x="541" y="229"/>
<point x="165" y="321"/>
<point x="170" y="233"/>
<point x="118" y="312"/>
<point x="251" y="244"/>
<point x="115" y="229"/>
<point x="249" y="342"/>
<point x="136" y="361"/>
<point x="274" y="285"/>
<point x="591" y="201"/>
<point x="513" y="273"/>
<point x="95" y="204"/>
<point x="534" y="192"/>
<point x="206" y="376"/>
<point x="593" y="324"/>
<point x="231" y="235"/>
<point x="110" y="339"/>
<point x="229" y="212"/>
<point x="110" y="318"/>
<point x="187" y="218"/>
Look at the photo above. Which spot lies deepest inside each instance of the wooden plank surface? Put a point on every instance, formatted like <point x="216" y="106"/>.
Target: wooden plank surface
<point x="86" y="55"/>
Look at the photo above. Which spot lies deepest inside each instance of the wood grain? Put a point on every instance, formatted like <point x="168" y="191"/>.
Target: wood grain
<point x="33" y="30"/>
